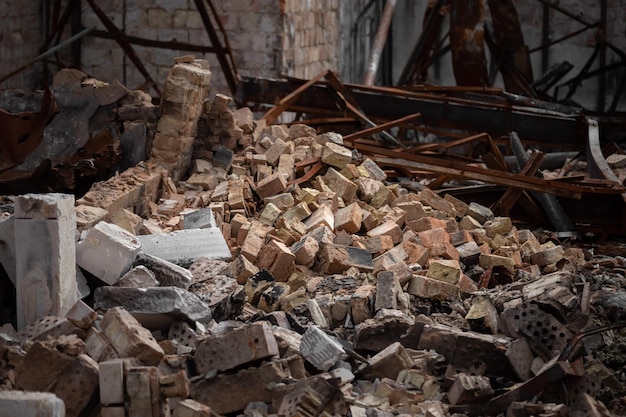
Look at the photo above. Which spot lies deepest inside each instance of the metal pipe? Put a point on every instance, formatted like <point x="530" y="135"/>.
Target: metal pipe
<point x="379" y="42"/>
<point x="549" y="202"/>
<point x="48" y="53"/>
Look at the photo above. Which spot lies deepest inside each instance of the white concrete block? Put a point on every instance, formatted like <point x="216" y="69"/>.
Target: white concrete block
<point x="30" y="404"/>
<point x="45" y="256"/>
<point x="107" y="251"/>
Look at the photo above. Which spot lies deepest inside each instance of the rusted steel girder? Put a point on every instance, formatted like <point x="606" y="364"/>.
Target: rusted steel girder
<point x="496" y="115"/>
<point x="510" y="44"/>
<point x="467" y="34"/>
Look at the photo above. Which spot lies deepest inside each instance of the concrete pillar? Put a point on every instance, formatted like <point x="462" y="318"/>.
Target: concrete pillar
<point x="45" y="256"/>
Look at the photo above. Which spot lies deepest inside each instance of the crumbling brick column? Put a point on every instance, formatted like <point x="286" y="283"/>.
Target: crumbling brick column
<point x="183" y="96"/>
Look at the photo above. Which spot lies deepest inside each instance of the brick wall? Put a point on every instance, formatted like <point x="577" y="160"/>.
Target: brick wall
<point x="267" y="38"/>
<point x="311" y="37"/>
<point x="20" y="39"/>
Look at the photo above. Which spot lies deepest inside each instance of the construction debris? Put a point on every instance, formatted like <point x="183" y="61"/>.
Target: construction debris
<point x="275" y="270"/>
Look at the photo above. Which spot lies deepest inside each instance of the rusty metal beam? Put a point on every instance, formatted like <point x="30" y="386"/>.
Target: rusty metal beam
<point x="461" y="170"/>
<point x="483" y="113"/>
<point x="467" y="29"/>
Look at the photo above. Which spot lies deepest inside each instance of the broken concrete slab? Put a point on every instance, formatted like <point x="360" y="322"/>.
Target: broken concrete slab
<point x="183" y="247"/>
<point x="166" y="273"/>
<point x="156" y="307"/>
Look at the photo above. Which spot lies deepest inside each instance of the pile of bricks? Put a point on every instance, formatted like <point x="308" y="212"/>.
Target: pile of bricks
<point x="285" y="275"/>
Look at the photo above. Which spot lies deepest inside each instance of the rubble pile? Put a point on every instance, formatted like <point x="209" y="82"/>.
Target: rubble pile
<point x="285" y="275"/>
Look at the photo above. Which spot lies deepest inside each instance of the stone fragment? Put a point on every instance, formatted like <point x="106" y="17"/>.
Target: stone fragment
<point x="389" y="228"/>
<point x="229" y="393"/>
<point x="199" y="219"/>
<point x="547" y="256"/>
<point x="166" y="273"/>
<point x="191" y="408"/>
<point x="81" y="315"/>
<point x="498" y="226"/>
<point x="274" y="297"/>
<point x="321" y="350"/>
<point x="483" y="315"/>
<point x="348" y="218"/>
<point x="278" y="259"/>
<point x="305" y="250"/>
<point x="142" y="391"/>
<point x="241" y="269"/>
<point x="322" y="216"/>
<point x="489" y="261"/>
<point x="336" y="155"/>
<point x="237" y="347"/>
<point x="388" y="290"/>
<point x="446" y="270"/>
<point x="386" y="327"/>
<point x="362" y="303"/>
<point x="430" y="288"/>
<point x="335" y="259"/>
<point x="271" y="185"/>
<point x="373" y="170"/>
<point x="470" y="389"/>
<point x="129" y="338"/>
<point x="337" y="182"/>
<point x="138" y="277"/>
<point x="156" y="307"/>
<point x="388" y="362"/>
<point x="111" y="382"/>
<point x="521" y="357"/>
<point x="479" y="212"/>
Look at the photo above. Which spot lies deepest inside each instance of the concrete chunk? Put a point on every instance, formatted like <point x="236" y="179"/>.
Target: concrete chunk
<point x="166" y="273"/>
<point x="30" y="404"/>
<point x="183" y="247"/>
<point x="107" y="251"/>
<point x="156" y="307"/>
<point x="45" y="256"/>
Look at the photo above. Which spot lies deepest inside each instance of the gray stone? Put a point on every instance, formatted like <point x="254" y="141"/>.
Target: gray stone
<point x="222" y="294"/>
<point x="183" y="247"/>
<point x="199" y="219"/>
<point x="223" y="158"/>
<point x="479" y="212"/>
<point x="154" y="308"/>
<point x="166" y="273"/>
<point x="138" y="277"/>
